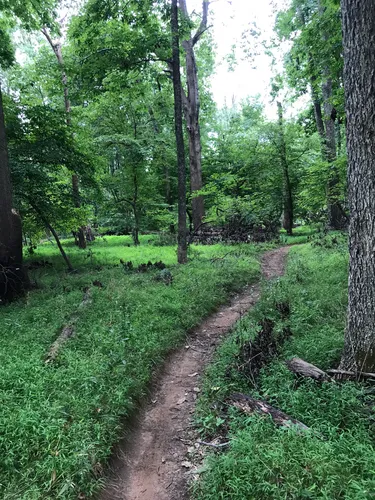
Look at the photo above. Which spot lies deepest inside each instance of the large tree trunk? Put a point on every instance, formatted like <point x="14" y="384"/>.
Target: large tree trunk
<point x="13" y="277"/>
<point x="191" y="106"/>
<point x="177" y="89"/>
<point x="358" y="17"/>
<point x="56" y="47"/>
<point x="287" y="189"/>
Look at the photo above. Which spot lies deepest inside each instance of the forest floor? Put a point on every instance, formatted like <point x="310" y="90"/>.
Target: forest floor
<point x="305" y="312"/>
<point x="79" y="351"/>
<point x="153" y="462"/>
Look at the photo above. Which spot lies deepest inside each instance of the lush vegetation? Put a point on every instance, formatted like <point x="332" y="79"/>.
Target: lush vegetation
<point x="106" y="115"/>
<point x="336" y="458"/>
<point x="60" y="420"/>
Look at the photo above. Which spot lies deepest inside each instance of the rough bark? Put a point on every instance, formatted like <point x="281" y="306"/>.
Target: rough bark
<point x="191" y="106"/>
<point x="287" y="189"/>
<point x="358" y="19"/>
<point x="305" y="369"/>
<point x="177" y="90"/>
<point x="13" y="276"/>
<point x="56" y="47"/>
<point x="249" y="405"/>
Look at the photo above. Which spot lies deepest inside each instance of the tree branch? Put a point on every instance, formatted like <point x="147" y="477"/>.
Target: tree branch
<point x="203" y="26"/>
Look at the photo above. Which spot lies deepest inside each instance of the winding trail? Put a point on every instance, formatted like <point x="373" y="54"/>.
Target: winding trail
<point x="149" y="465"/>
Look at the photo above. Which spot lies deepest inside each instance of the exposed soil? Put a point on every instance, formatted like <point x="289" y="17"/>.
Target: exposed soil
<point x="152" y="464"/>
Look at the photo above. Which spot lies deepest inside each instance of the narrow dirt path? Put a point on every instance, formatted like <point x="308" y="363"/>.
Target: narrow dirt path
<point x="150" y="465"/>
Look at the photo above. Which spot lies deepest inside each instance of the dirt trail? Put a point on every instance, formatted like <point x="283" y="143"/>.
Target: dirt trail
<point x="149" y="468"/>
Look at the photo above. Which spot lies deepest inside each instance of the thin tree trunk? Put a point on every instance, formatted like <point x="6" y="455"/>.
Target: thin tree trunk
<point x="336" y="220"/>
<point x="135" y="211"/>
<point x="318" y="112"/>
<point x="62" y="251"/>
<point x="287" y="189"/>
<point x="177" y="90"/>
<point x="55" y="235"/>
<point x="13" y="276"/>
<point x="191" y="106"/>
<point x="358" y="18"/>
<point x="56" y="47"/>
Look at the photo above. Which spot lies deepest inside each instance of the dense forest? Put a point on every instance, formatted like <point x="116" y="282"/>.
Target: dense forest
<point x="133" y="207"/>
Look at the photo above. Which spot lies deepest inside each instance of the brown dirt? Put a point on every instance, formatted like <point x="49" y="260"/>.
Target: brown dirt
<point x="152" y="465"/>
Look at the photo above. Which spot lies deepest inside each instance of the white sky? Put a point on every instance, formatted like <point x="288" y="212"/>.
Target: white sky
<point x="249" y="78"/>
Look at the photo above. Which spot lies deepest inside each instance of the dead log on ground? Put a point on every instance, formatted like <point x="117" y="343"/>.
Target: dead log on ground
<point x="345" y="374"/>
<point x="67" y="331"/>
<point x="301" y="367"/>
<point x="249" y="405"/>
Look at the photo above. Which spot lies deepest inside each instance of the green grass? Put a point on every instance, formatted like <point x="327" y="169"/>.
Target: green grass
<point x="59" y="422"/>
<point x="301" y="234"/>
<point x="337" y="459"/>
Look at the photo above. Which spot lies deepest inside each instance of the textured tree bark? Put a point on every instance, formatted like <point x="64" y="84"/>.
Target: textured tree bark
<point x="56" y="47"/>
<point x="13" y="276"/>
<point x="301" y="367"/>
<point x="177" y="90"/>
<point x="287" y="189"/>
<point x="358" y="19"/>
<point x="191" y="106"/>
<point x="250" y="405"/>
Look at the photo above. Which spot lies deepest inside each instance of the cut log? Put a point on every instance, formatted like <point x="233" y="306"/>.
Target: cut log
<point x="249" y="405"/>
<point x="301" y="367"/>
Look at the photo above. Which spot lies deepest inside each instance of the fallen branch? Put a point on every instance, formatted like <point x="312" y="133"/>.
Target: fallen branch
<point x="67" y="331"/>
<point x="215" y="259"/>
<point x="249" y="405"/>
<point x="221" y="445"/>
<point x="301" y="367"/>
<point x="348" y="374"/>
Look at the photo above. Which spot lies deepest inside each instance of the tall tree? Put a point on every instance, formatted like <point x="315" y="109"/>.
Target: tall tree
<point x="191" y="105"/>
<point x="314" y="62"/>
<point x="182" y="236"/>
<point x="287" y="188"/>
<point x="56" y="46"/>
<point x="13" y="277"/>
<point x="358" y="19"/>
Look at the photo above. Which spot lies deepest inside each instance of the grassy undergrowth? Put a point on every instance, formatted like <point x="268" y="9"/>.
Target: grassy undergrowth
<point x="58" y="422"/>
<point x="337" y="459"/>
<point x="301" y="234"/>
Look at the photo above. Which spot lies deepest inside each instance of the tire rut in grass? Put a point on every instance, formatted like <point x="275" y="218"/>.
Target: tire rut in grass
<point x="151" y="464"/>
